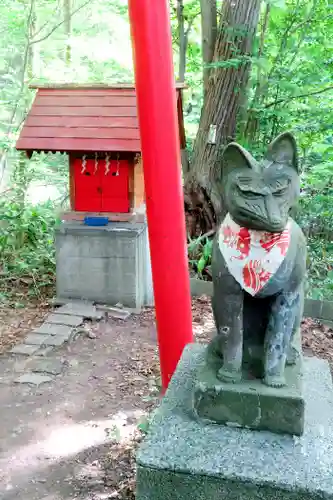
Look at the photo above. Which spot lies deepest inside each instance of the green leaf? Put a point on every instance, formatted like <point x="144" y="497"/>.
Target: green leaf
<point x="207" y="249"/>
<point x="201" y="264"/>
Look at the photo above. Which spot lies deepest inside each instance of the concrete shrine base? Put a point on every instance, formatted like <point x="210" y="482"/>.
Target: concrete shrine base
<point x="184" y="458"/>
<point x="106" y="264"/>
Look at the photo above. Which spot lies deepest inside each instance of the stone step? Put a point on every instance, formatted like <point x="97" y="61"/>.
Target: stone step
<point x="24" y="349"/>
<point x="85" y="310"/>
<point x="33" y="379"/>
<point x="64" y="319"/>
<point x="53" y="329"/>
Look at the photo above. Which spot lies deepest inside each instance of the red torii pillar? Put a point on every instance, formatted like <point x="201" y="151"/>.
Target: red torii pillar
<point x="157" y="112"/>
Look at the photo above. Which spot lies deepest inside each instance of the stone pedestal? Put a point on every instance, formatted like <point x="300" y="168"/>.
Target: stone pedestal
<point x="184" y="458"/>
<point x="250" y="403"/>
<point x="107" y="264"/>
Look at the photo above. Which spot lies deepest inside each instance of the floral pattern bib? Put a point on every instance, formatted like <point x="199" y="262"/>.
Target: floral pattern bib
<point x="252" y="257"/>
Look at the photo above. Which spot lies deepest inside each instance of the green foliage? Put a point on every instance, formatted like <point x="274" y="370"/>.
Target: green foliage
<point x="315" y="216"/>
<point x="200" y="256"/>
<point x="291" y="75"/>
<point x="320" y="268"/>
<point x="315" y="213"/>
<point x="27" y="252"/>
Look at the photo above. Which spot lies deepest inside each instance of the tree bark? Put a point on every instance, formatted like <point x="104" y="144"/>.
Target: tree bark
<point x="183" y="34"/>
<point x="225" y="95"/>
<point x="68" y="30"/>
<point x="182" y="41"/>
<point x="31" y="63"/>
<point x="208" y="36"/>
<point x="252" y="122"/>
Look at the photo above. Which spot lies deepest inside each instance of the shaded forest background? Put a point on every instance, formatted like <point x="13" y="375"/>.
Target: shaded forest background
<point x="252" y="71"/>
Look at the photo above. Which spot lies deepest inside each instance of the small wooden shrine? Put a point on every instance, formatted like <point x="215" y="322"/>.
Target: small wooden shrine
<point x="102" y="251"/>
<point x="97" y="127"/>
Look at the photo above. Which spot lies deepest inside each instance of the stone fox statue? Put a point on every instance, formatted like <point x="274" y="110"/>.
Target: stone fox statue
<point x="258" y="265"/>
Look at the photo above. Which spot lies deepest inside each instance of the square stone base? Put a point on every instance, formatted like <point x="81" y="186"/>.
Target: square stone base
<point x="104" y="264"/>
<point x="184" y="458"/>
<point x="250" y="403"/>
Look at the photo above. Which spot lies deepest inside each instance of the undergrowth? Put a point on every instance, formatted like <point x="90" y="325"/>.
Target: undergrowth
<point x="27" y="251"/>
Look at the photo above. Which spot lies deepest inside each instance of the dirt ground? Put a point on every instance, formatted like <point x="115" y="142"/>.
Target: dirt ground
<point x="16" y="323"/>
<point x="75" y="438"/>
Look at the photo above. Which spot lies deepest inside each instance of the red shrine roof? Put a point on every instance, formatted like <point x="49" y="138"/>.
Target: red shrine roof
<point x="86" y="118"/>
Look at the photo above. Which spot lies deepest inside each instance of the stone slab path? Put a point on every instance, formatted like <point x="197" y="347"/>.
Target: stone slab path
<point x="60" y="327"/>
<point x="63" y="402"/>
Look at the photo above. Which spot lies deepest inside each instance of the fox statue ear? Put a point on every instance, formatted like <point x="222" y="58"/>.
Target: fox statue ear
<point x="235" y="156"/>
<point x="283" y="150"/>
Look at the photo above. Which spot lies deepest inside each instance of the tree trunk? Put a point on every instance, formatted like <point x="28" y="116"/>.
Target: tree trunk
<point x="21" y="175"/>
<point x="68" y="30"/>
<point x="225" y="95"/>
<point x="31" y="63"/>
<point x="251" y="124"/>
<point x="208" y="36"/>
<point x="182" y="41"/>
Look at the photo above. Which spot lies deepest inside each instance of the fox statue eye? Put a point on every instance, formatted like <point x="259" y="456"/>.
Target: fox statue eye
<point x="250" y="195"/>
<point x="281" y="192"/>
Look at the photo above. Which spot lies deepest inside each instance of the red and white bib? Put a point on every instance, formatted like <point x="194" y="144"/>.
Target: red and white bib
<point x="252" y="257"/>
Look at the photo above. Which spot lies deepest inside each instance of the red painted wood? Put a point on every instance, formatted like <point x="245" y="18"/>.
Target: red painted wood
<point x="115" y="196"/>
<point x="99" y="190"/>
<point x="87" y="101"/>
<point x="87" y="187"/>
<point x="157" y="110"/>
<point x="88" y="133"/>
<point x="80" y="111"/>
<point x="72" y="182"/>
<point x="82" y="121"/>
<point x="74" y="144"/>
<point x="112" y="216"/>
<point x="82" y="92"/>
